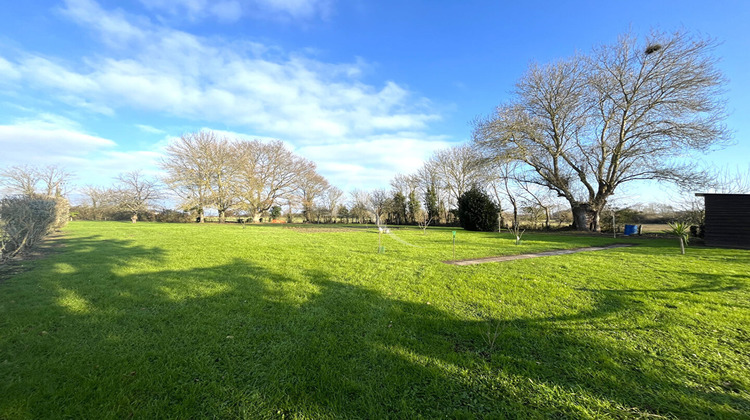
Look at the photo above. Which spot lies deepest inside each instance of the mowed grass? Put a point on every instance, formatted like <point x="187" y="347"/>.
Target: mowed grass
<point x="200" y="321"/>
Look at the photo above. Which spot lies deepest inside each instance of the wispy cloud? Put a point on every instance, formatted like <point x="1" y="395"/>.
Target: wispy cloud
<point x="233" y="10"/>
<point x="48" y="140"/>
<point x="187" y="76"/>
<point x="148" y="129"/>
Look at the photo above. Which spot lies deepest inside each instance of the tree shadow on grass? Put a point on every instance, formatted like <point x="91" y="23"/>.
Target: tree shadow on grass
<point x="240" y="340"/>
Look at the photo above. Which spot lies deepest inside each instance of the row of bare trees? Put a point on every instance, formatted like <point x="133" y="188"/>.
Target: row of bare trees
<point x="133" y="194"/>
<point x="451" y="172"/>
<point x="28" y="180"/>
<point x="251" y="177"/>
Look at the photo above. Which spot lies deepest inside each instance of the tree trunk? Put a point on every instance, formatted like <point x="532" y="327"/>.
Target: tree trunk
<point x="200" y="215"/>
<point x="222" y="216"/>
<point x="593" y="216"/>
<point x="580" y="219"/>
<point x="585" y="217"/>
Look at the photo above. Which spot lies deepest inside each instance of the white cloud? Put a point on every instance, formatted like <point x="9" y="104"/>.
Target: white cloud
<point x="8" y="72"/>
<point x="51" y="139"/>
<point x="113" y="25"/>
<point x="233" y="10"/>
<point x="187" y="76"/>
<point x="372" y="162"/>
<point x="299" y="9"/>
<point x="149" y="129"/>
<point x="46" y="142"/>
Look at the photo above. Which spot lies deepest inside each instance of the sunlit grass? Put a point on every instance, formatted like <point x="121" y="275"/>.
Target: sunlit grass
<point x="196" y="321"/>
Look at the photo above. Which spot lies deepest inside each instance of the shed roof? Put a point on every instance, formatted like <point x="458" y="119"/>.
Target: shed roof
<point x="727" y="194"/>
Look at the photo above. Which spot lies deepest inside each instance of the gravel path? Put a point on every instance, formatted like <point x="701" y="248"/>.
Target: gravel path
<point x="536" y="255"/>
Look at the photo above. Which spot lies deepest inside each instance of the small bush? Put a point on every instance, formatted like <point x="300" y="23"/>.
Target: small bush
<point x="477" y="211"/>
<point x="26" y="220"/>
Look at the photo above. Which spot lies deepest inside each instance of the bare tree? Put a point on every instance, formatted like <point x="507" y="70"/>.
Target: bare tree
<point x="309" y="186"/>
<point x="22" y="179"/>
<point x="537" y="198"/>
<point x="188" y="168"/>
<point x="360" y="205"/>
<point x="405" y="184"/>
<point x="457" y="169"/>
<point x="423" y="220"/>
<point x="100" y="200"/>
<point x="268" y="173"/>
<point x="502" y="183"/>
<point x="223" y="172"/>
<point x="730" y="181"/>
<point x="136" y="193"/>
<point x="54" y="180"/>
<point x="379" y="203"/>
<point x="333" y="199"/>
<point x="626" y="112"/>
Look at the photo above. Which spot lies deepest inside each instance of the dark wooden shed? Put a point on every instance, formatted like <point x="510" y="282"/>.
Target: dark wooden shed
<point x="727" y="220"/>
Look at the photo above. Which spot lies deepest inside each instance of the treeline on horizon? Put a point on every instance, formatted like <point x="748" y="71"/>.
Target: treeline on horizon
<point x="254" y="180"/>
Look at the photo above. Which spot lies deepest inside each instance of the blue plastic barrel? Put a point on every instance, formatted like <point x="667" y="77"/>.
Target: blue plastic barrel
<point x="630" y="230"/>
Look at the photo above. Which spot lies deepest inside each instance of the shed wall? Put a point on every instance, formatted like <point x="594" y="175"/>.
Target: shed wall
<point x="728" y="221"/>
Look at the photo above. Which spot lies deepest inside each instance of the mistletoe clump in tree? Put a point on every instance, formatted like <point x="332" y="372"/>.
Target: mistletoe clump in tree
<point x="627" y="112"/>
<point x="477" y="211"/>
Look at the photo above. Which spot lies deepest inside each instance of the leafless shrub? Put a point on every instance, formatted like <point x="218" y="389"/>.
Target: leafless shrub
<point x="24" y="221"/>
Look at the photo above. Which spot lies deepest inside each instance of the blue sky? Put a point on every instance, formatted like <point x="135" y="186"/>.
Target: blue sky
<point x="366" y="89"/>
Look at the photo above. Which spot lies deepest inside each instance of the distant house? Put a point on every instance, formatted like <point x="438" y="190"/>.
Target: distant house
<point x="727" y="220"/>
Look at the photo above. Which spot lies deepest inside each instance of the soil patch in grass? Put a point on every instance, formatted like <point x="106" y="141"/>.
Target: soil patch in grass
<point x="535" y="255"/>
<point x="301" y="229"/>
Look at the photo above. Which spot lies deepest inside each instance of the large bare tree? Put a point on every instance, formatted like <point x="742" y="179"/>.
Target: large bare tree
<point x="223" y="175"/>
<point x="189" y="167"/>
<point x="267" y="173"/>
<point x="309" y="186"/>
<point x="626" y="112"/>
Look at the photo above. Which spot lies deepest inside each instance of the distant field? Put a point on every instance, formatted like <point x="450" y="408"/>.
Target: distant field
<point x="654" y="228"/>
<point x="154" y="320"/>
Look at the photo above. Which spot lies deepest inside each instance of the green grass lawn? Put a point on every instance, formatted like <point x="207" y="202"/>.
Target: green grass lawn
<point x="195" y="321"/>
